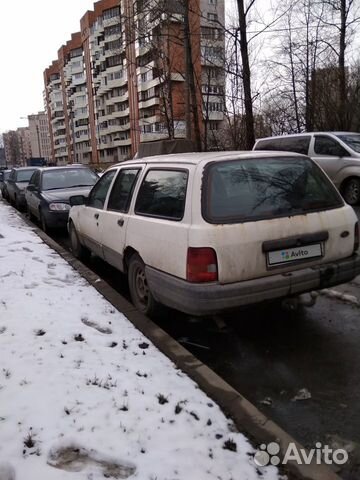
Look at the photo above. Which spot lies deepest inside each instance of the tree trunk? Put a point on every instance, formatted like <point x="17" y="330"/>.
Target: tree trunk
<point x="249" y="116"/>
<point x="342" y="73"/>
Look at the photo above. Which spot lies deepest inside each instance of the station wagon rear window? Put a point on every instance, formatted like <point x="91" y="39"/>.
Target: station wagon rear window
<point x="262" y="188"/>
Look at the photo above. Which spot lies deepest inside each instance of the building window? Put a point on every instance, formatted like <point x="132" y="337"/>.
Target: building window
<point x="111" y="13"/>
<point x="215" y="107"/>
<point x="113" y="61"/>
<point x="212" y="17"/>
<point x="112" y="30"/>
<point x="210" y="33"/>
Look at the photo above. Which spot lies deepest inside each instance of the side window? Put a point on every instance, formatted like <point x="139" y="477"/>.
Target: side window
<point x="37" y="179"/>
<point x="286" y="144"/>
<point x="98" y="193"/>
<point x="295" y="144"/>
<point x="162" y="194"/>
<point x="34" y="180"/>
<point x="121" y="193"/>
<point x="328" y="146"/>
<point x="12" y="175"/>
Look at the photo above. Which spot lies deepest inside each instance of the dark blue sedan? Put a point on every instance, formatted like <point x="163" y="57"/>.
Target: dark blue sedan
<point x="47" y="195"/>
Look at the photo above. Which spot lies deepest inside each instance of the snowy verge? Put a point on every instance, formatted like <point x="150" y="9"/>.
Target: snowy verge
<point x="84" y="395"/>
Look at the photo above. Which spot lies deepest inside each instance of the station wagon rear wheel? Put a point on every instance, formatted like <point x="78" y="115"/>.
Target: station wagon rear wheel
<point x="139" y="289"/>
<point x="78" y="250"/>
<point x="351" y="191"/>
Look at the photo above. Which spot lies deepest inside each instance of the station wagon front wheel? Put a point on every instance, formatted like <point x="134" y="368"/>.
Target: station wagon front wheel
<point x="79" y="251"/>
<point x="139" y="289"/>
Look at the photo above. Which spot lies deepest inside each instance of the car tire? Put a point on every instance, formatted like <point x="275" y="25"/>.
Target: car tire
<point x="29" y="214"/>
<point x="16" y="202"/>
<point x="43" y="223"/>
<point x="78" y="250"/>
<point x="140" y="293"/>
<point x="351" y="191"/>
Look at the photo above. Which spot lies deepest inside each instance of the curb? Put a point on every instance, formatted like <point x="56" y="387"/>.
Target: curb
<point x="245" y="415"/>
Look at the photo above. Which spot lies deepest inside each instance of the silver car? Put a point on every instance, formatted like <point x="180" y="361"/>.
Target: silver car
<point x="338" y="153"/>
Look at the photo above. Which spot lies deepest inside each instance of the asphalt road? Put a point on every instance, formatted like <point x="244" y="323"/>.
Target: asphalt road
<point x="268" y="355"/>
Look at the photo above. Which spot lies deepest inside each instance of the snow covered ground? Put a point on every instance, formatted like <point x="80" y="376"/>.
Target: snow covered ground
<point x="84" y="395"/>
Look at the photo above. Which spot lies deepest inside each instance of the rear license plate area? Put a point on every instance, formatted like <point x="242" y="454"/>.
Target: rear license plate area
<point x="285" y="256"/>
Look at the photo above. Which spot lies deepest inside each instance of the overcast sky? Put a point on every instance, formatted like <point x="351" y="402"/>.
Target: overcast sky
<point x="31" y="33"/>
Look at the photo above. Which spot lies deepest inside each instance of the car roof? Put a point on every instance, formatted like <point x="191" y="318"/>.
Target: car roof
<point x="63" y="167"/>
<point x="304" y="134"/>
<point x="23" y="168"/>
<point x="205" y="157"/>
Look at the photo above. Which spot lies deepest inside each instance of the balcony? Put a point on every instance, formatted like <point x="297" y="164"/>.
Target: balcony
<point x="116" y="128"/>
<point x="149" y="103"/>
<point x="152" y="136"/>
<point x="118" y="99"/>
<point x="78" y="81"/>
<point x="149" y="83"/>
<point x="107" y="22"/>
<point x="149" y="120"/>
<point x="215" y="115"/>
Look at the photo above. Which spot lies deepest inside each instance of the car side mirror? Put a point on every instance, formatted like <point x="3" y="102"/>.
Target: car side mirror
<point x="31" y="188"/>
<point x="77" y="200"/>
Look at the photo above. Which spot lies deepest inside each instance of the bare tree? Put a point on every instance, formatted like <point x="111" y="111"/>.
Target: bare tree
<point x="303" y="51"/>
<point x="243" y="11"/>
<point x="344" y="16"/>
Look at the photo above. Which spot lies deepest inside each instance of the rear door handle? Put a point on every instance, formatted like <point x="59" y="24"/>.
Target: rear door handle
<point x="96" y="215"/>
<point x="120" y="222"/>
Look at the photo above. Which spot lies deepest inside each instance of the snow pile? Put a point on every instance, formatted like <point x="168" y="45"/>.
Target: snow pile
<point x="84" y="395"/>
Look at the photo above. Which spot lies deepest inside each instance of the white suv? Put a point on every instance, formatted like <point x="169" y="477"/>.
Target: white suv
<point x="205" y="232"/>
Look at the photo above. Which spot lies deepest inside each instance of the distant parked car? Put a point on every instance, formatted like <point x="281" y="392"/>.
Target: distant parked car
<point x="47" y="195"/>
<point x="206" y="232"/>
<point x="338" y="153"/>
<point x="4" y="175"/>
<point x="16" y="184"/>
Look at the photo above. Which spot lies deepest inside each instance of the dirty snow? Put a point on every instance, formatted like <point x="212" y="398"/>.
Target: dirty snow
<point x="84" y="395"/>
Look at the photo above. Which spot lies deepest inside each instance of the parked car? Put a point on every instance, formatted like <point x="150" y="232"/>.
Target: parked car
<point x="16" y="184"/>
<point x="205" y="232"/>
<point x="47" y="195"/>
<point x="338" y="153"/>
<point x="4" y="175"/>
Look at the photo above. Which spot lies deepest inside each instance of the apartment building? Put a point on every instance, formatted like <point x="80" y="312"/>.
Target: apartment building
<point x="39" y="136"/>
<point x="17" y="147"/>
<point x="24" y="144"/>
<point x="103" y="34"/>
<point x="212" y="66"/>
<point x="60" y="148"/>
<point x="75" y="100"/>
<point x="137" y="72"/>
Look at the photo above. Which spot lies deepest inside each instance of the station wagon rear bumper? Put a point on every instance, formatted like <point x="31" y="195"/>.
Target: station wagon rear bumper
<point x="207" y="299"/>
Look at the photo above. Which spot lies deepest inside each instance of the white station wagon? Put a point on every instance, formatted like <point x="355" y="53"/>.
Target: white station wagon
<point x="206" y="232"/>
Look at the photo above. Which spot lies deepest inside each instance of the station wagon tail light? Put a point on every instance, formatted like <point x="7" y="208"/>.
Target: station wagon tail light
<point x="201" y="265"/>
<point x="356" y="237"/>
